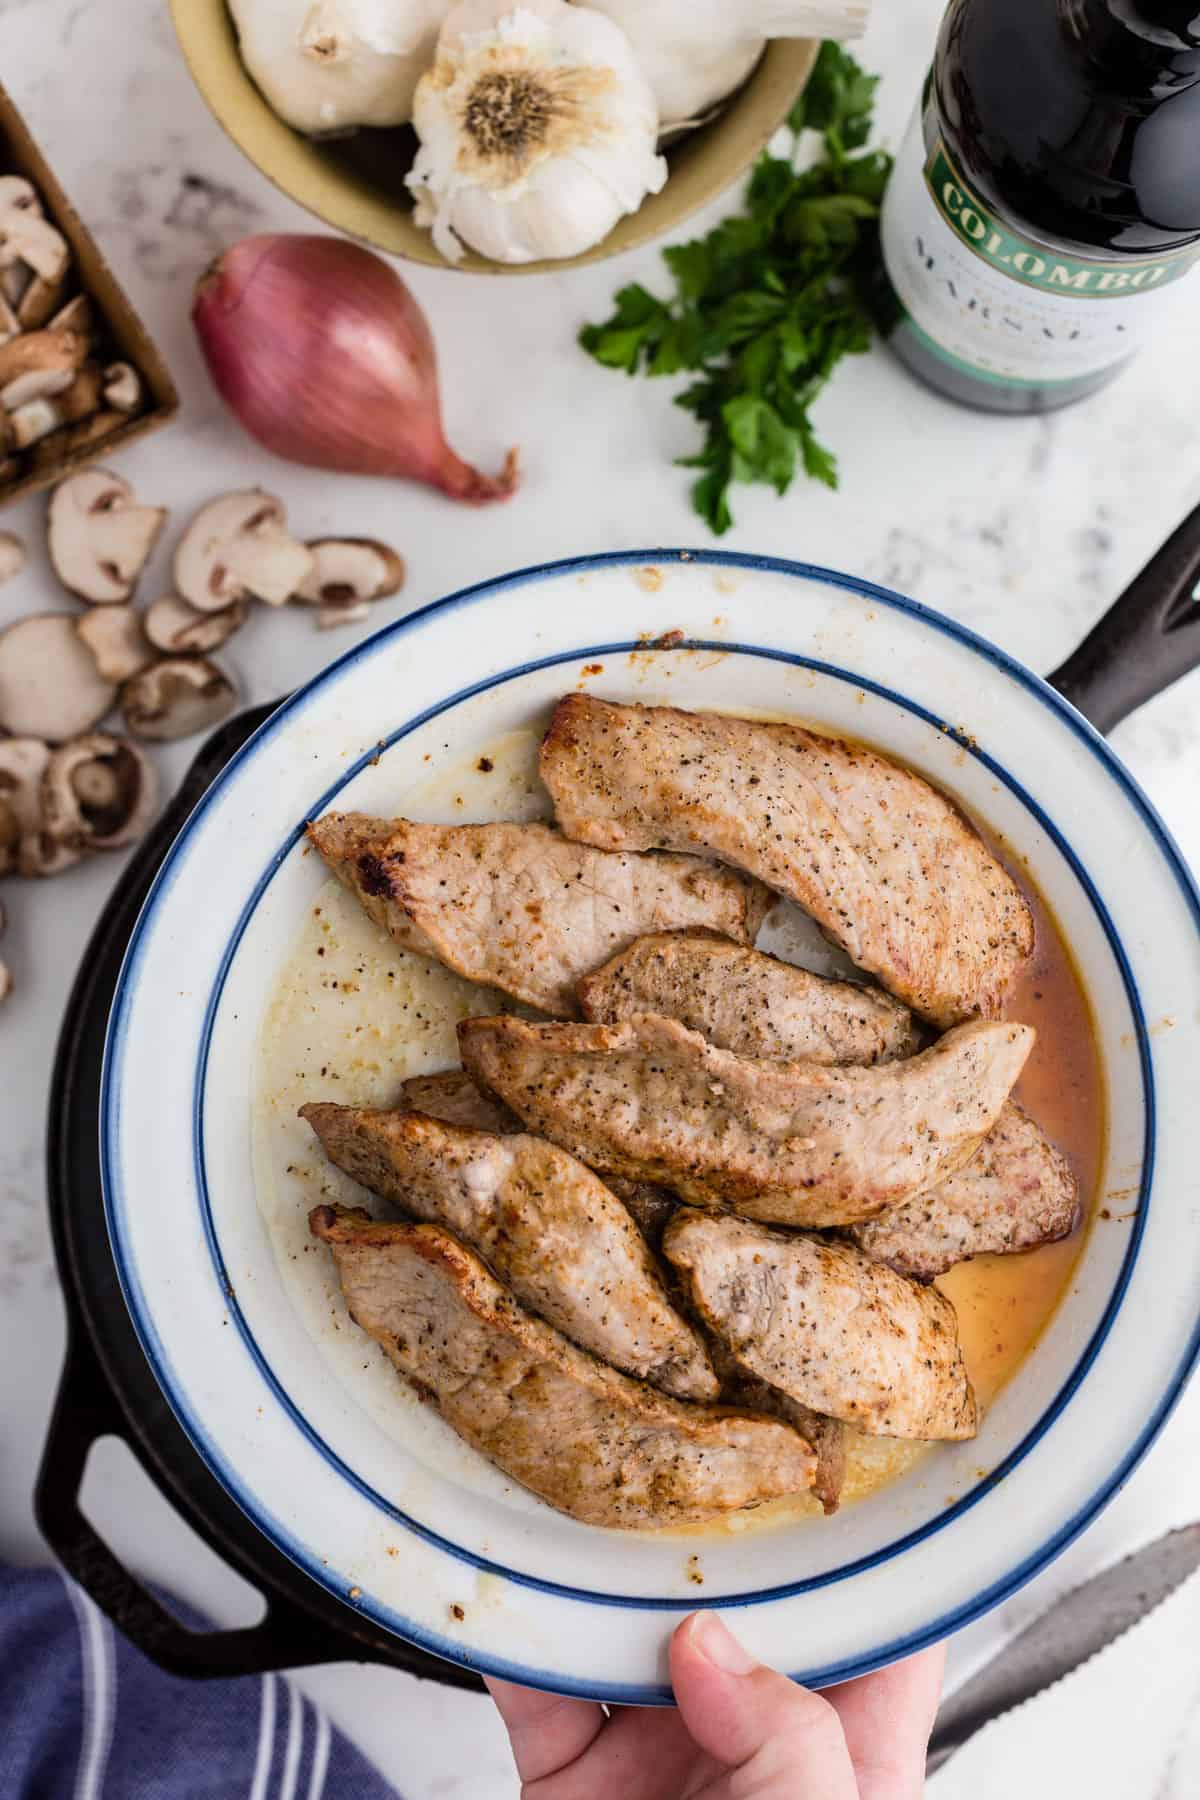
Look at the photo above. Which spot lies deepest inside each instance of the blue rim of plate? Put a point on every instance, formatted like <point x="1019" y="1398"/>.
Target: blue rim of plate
<point x="273" y="1529"/>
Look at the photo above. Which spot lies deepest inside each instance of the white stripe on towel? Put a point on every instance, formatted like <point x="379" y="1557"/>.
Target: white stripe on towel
<point x="99" y="1691"/>
<point x="266" y="1740"/>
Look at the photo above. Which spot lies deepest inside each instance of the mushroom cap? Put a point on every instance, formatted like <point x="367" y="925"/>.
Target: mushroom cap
<point x="99" y="536"/>
<point x="39" y="363"/>
<point x="50" y="686"/>
<point x="237" y="547"/>
<point x="176" y="697"/>
<point x="177" y="627"/>
<point x="115" y="638"/>
<point x="26" y="237"/>
<point x="22" y="763"/>
<point x="122" y="387"/>
<point x="98" y="793"/>
<point x="346" y="569"/>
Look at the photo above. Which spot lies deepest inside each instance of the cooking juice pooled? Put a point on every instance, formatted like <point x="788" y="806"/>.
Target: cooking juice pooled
<point x="352" y="1016"/>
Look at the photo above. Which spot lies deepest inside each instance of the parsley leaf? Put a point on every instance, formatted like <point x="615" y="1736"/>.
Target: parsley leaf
<point x="769" y="302"/>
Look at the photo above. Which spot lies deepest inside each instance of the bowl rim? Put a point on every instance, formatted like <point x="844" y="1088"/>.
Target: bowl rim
<point x="274" y="1529"/>
<point x="207" y="38"/>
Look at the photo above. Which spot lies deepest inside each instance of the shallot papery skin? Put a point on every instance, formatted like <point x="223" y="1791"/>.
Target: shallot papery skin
<point x="324" y="356"/>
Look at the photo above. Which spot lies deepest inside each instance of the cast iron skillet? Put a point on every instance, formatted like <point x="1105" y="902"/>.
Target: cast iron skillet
<point x="1146" y="641"/>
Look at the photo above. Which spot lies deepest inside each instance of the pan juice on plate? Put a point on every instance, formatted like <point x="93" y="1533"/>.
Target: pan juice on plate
<point x="1046" y="200"/>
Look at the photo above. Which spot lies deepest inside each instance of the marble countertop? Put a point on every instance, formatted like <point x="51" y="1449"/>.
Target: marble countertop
<point x="1024" y="529"/>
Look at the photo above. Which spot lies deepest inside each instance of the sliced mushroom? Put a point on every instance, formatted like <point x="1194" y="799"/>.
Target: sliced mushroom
<point x="115" y="638"/>
<point x="98" y="793"/>
<point x="50" y="686"/>
<point x="37" y="418"/>
<point x="181" y="629"/>
<point x="39" y="363"/>
<point x="12" y="555"/>
<point x="22" y="763"/>
<point x="176" y="697"/>
<point x="17" y="194"/>
<point x="332" y="613"/>
<point x="10" y="325"/>
<point x="122" y="387"/>
<point x="236" y="547"/>
<point x="346" y="569"/>
<point x="26" y="237"/>
<point x="76" y="315"/>
<point x="99" y="536"/>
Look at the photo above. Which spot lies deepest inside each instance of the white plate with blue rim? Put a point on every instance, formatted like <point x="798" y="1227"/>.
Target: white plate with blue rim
<point x="390" y="1512"/>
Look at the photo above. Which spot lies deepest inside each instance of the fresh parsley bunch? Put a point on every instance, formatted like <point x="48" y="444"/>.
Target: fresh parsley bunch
<point x="767" y="304"/>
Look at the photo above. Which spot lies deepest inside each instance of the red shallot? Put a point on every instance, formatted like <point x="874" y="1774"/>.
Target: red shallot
<point x="324" y="356"/>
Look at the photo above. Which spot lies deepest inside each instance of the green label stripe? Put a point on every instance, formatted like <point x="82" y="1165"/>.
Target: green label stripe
<point x="1036" y="265"/>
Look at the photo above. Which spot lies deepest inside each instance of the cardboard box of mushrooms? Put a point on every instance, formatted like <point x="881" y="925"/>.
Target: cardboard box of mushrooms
<point x="69" y="789"/>
<point x="79" y="376"/>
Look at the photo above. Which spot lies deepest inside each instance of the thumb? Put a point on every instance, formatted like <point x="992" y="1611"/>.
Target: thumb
<point x="779" y="1737"/>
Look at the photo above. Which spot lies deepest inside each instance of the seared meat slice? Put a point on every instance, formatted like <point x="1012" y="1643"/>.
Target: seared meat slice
<point x="1017" y="1191"/>
<point x="518" y="906"/>
<point x="827" y="1436"/>
<point x="456" y="1099"/>
<point x="743" y="1000"/>
<point x="823" y="1323"/>
<point x="785" y="1141"/>
<point x="889" y="868"/>
<point x="603" y="1448"/>
<point x="549" y="1227"/>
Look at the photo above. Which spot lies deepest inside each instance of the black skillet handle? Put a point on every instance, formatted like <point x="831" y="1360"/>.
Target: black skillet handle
<point x="86" y="1410"/>
<point x="285" y="1639"/>
<point x="1147" y="640"/>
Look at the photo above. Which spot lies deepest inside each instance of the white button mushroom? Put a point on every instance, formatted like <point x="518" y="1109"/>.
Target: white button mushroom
<point x="346" y="574"/>
<point x="99" y="536"/>
<point x="236" y="548"/>
<point x="50" y="686"/>
<point x="22" y="763"/>
<point x="176" y="697"/>
<point x="98" y="793"/>
<point x="115" y="637"/>
<point x="180" y="629"/>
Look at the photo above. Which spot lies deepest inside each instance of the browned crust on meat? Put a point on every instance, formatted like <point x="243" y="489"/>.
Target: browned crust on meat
<point x="519" y="907"/>
<point x="793" y="1143"/>
<point x="890" y="868"/>
<point x="1017" y="1191"/>
<point x="595" y="1444"/>
<point x="743" y="1000"/>
<point x="823" y="1323"/>
<point x="548" y="1226"/>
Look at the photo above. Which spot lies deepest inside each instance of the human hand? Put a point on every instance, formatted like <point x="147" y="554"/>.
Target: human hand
<point x="741" y="1732"/>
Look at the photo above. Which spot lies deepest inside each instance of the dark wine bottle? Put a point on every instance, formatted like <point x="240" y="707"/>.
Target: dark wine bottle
<point x="1047" y="196"/>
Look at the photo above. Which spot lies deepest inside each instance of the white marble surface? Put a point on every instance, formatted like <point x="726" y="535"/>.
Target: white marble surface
<point x="1024" y="529"/>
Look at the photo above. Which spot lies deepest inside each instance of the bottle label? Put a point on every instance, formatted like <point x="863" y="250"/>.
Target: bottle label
<point x="1001" y="306"/>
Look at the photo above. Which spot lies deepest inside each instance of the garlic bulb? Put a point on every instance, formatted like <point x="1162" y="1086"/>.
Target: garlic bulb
<point x="537" y="131"/>
<point x="695" y="52"/>
<point x="328" y="65"/>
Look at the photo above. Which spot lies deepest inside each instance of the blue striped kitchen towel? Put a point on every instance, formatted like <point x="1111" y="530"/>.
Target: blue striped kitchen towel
<point x="85" y="1716"/>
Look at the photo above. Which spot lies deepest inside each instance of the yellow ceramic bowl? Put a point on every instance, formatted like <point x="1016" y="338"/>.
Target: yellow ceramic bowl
<point x="357" y="183"/>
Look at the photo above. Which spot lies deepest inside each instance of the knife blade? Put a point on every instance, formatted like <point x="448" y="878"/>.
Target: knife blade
<point x="1085" y="1621"/>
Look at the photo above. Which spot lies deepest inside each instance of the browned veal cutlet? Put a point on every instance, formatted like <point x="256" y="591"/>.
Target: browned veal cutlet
<point x="890" y="869"/>
<point x="520" y="908"/>
<point x="599" y="1446"/>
